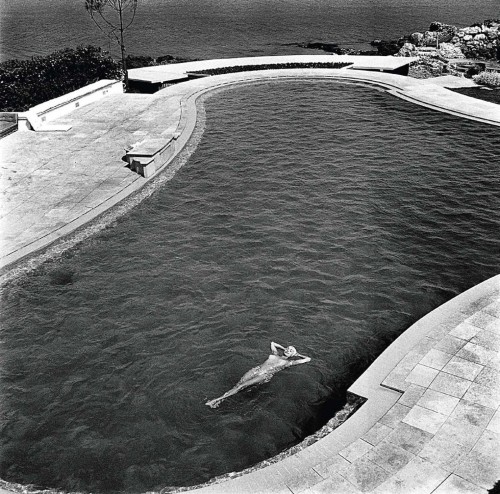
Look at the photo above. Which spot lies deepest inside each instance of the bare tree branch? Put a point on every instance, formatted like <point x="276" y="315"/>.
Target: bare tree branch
<point x="100" y="12"/>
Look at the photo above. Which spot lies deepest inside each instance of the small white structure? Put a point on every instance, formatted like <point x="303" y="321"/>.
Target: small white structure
<point x="150" y="155"/>
<point x="36" y="118"/>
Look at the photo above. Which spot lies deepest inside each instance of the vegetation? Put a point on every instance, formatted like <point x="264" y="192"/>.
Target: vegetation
<point x="26" y="83"/>
<point x="490" y="79"/>
<point x="296" y="65"/>
<point x="137" y="61"/>
<point x="492" y="95"/>
<point x="113" y="18"/>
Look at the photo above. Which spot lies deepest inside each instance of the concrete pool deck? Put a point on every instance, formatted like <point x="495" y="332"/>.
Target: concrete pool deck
<point x="441" y="377"/>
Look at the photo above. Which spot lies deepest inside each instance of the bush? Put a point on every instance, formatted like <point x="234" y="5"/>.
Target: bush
<point x="26" y="83"/>
<point x="137" y="61"/>
<point x="491" y="79"/>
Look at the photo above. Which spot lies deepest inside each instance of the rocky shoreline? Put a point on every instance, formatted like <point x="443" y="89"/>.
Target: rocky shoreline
<point x="442" y="49"/>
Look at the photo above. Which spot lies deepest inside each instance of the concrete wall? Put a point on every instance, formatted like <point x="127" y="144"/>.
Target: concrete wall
<point x="55" y="108"/>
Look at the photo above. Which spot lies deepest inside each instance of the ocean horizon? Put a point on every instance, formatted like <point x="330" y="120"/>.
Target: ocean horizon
<point x="205" y="29"/>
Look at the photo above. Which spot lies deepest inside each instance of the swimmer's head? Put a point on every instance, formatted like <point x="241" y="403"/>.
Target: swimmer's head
<point x="290" y="352"/>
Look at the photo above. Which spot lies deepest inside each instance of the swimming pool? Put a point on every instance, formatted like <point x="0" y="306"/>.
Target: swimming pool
<point x="324" y="215"/>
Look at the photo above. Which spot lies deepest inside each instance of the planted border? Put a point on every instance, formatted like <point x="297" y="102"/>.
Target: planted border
<point x="291" y="65"/>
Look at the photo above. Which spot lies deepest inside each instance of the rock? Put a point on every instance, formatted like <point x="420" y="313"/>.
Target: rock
<point x="479" y="36"/>
<point x="436" y="26"/>
<point x="416" y="38"/>
<point x="388" y="47"/>
<point x="430" y="38"/>
<point x="328" y="47"/>
<point x="467" y="37"/>
<point x="427" y="67"/>
<point x="447" y="50"/>
<point x="407" y="50"/>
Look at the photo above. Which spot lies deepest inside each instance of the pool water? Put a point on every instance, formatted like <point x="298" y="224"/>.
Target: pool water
<point x="327" y="216"/>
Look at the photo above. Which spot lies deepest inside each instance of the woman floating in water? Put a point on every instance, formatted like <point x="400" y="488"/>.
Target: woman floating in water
<point x="280" y="358"/>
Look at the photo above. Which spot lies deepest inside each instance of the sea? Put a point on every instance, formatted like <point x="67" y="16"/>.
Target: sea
<point x="206" y="29"/>
<point x="317" y="214"/>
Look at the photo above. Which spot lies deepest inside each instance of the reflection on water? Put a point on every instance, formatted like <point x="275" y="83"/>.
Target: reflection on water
<point x="326" y="216"/>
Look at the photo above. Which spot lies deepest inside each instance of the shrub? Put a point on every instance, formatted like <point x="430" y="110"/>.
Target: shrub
<point x="26" y="83"/>
<point x="137" y="61"/>
<point x="491" y="79"/>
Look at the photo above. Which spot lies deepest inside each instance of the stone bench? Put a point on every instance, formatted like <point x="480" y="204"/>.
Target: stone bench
<point x="149" y="155"/>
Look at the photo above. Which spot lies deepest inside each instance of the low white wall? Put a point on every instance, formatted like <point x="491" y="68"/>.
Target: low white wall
<point x="50" y="110"/>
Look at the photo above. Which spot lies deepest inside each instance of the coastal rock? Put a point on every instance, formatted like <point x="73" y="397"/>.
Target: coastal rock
<point x="416" y="39"/>
<point x="427" y="67"/>
<point x="407" y="50"/>
<point x="472" y="30"/>
<point x="436" y="26"/>
<point x="448" y="50"/>
<point x="430" y="38"/>
<point x="440" y="41"/>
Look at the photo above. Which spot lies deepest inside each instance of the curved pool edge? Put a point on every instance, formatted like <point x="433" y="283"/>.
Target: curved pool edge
<point x="183" y="96"/>
<point x="352" y="457"/>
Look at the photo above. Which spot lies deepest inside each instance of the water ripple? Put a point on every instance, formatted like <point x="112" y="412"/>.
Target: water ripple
<point x="331" y="219"/>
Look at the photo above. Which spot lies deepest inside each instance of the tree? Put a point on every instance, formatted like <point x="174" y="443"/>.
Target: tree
<point x="113" y="18"/>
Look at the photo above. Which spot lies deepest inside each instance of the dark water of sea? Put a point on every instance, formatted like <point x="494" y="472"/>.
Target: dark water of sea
<point x="204" y="29"/>
<point x="322" y="215"/>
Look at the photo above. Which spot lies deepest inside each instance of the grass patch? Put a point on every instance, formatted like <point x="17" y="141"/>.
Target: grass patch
<point x="492" y="96"/>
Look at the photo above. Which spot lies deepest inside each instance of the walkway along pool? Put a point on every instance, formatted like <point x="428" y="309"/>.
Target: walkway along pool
<point x="327" y="216"/>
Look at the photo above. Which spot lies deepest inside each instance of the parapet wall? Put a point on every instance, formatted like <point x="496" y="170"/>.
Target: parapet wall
<point x="37" y="116"/>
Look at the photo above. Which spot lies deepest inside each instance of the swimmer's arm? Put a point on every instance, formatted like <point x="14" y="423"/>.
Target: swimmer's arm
<point x="275" y="346"/>
<point x="302" y="360"/>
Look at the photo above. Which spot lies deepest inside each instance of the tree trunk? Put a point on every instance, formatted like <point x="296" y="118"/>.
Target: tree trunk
<point x="122" y="47"/>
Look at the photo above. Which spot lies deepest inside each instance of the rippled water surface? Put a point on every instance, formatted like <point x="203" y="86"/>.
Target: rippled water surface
<point x="228" y="28"/>
<point x="326" y="216"/>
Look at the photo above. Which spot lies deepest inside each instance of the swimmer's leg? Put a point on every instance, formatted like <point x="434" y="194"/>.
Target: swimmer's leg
<point x="256" y="379"/>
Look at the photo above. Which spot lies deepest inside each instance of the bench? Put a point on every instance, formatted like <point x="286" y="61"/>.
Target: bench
<point x="149" y="155"/>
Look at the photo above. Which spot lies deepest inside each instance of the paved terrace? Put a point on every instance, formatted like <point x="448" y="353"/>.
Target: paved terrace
<point x="431" y="421"/>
